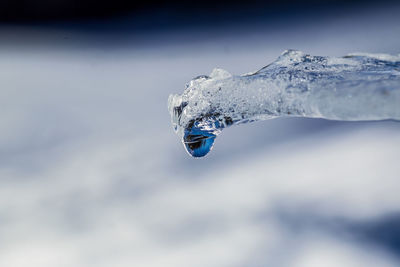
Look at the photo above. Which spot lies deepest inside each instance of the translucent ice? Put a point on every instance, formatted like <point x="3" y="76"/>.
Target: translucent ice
<point x="350" y="88"/>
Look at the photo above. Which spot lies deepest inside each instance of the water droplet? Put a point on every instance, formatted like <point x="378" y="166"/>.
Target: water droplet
<point x="198" y="142"/>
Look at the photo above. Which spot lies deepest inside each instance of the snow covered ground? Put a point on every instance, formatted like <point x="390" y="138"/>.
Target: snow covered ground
<point x="92" y="174"/>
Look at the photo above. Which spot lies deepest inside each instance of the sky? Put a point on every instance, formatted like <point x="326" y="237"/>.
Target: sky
<point x="92" y="173"/>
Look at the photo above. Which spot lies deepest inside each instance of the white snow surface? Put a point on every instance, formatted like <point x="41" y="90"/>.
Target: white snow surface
<point x="92" y="173"/>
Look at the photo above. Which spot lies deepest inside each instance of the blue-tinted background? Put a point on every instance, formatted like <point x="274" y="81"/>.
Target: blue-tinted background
<point x="92" y="174"/>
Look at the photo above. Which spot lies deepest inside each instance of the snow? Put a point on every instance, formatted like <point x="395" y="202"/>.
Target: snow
<point x="92" y="173"/>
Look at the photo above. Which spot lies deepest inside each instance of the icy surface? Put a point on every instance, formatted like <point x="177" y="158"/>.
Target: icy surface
<point x="351" y="88"/>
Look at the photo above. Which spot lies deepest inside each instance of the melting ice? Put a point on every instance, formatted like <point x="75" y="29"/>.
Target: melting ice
<point x="351" y="88"/>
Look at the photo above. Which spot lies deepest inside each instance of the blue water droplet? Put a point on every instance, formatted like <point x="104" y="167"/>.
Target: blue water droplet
<point x="198" y="142"/>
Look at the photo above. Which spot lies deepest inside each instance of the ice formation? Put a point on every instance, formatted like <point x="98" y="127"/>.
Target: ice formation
<point x="351" y="88"/>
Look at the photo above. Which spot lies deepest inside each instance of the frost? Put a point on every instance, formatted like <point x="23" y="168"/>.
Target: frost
<point x="351" y="88"/>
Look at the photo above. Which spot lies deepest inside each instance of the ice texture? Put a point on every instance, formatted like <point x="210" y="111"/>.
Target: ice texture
<point x="357" y="87"/>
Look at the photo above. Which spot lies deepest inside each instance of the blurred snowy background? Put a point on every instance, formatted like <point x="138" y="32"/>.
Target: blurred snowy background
<point x="92" y="174"/>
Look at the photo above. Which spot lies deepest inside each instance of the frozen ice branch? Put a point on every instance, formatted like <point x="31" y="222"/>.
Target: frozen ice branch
<point x="351" y="88"/>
